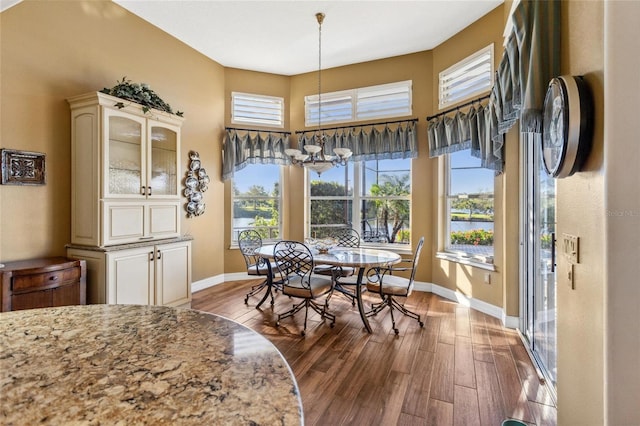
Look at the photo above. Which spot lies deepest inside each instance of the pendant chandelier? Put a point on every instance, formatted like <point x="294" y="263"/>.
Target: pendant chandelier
<point x="314" y="157"/>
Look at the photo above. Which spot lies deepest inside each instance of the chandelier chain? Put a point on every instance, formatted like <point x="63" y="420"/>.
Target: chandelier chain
<point x="320" y="17"/>
<point x="315" y="158"/>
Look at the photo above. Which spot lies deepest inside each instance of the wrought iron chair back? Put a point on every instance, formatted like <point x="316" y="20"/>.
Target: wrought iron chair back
<point x="249" y="241"/>
<point x="295" y="261"/>
<point x="348" y="238"/>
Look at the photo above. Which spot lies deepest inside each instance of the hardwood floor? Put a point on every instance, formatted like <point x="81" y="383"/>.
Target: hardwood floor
<point x="462" y="368"/>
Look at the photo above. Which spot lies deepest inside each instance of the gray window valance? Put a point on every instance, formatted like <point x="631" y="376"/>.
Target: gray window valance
<point x="476" y="130"/>
<point x="391" y="142"/>
<point x="531" y="58"/>
<point x="252" y="147"/>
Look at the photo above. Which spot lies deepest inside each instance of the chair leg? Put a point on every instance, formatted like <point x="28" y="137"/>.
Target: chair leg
<point x="291" y="312"/>
<point x="393" y="321"/>
<point x="323" y="312"/>
<point x="255" y="290"/>
<point x="348" y="294"/>
<point x="407" y="312"/>
<point x="306" y="304"/>
<point x="392" y="303"/>
<point x="377" y="307"/>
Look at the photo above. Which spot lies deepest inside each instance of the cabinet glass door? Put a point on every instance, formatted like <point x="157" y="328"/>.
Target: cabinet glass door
<point x="124" y="155"/>
<point x="163" y="177"/>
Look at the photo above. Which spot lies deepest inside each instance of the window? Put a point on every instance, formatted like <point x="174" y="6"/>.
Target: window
<point x="372" y="197"/>
<point x="256" y="201"/>
<point x="365" y="103"/>
<point x="248" y="108"/>
<point x="466" y="79"/>
<point x="469" y="210"/>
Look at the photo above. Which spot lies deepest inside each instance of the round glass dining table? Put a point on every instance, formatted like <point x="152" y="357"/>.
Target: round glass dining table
<point x="360" y="258"/>
<point x="130" y="364"/>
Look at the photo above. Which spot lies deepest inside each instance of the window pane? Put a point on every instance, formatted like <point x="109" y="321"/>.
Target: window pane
<point x="364" y="103"/>
<point x="384" y="209"/>
<point x="467" y="78"/>
<point x="471" y="209"/>
<point x="380" y="202"/>
<point x="336" y="182"/>
<point x="256" y="200"/>
<point x="331" y="200"/>
<point x="329" y="215"/>
<point x="257" y="109"/>
<point x="386" y="177"/>
<point x="385" y="221"/>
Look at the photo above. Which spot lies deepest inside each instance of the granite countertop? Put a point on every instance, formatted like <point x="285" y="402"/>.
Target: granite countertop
<point x="129" y="364"/>
<point x="127" y="246"/>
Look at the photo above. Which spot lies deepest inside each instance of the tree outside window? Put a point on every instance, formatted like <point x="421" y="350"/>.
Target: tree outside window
<point x="379" y="200"/>
<point x="470" y="208"/>
<point x="256" y="201"/>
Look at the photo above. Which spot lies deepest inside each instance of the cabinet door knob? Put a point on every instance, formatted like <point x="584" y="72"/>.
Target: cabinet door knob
<point x="149" y="190"/>
<point x="53" y="278"/>
<point x="143" y="190"/>
<point x="159" y="255"/>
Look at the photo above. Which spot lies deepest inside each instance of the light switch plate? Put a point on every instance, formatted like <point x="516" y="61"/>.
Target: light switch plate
<point x="571" y="248"/>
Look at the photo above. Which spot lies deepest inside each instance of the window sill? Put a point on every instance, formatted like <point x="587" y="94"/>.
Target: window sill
<point x="396" y="248"/>
<point x="476" y="262"/>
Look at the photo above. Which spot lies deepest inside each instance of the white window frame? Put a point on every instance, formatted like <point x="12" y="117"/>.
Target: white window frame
<point x="485" y="262"/>
<point x="234" y="239"/>
<point x="475" y="74"/>
<point x="356" y="200"/>
<point x="348" y="105"/>
<point x="260" y="110"/>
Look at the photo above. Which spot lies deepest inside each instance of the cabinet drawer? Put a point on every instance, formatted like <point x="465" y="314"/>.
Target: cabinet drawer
<point x="44" y="280"/>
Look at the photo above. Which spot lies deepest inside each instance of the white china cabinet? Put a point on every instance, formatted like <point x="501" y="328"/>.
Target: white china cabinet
<point x="125" y="203"/>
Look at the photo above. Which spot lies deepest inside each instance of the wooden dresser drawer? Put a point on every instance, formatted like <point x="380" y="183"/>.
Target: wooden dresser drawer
<point x="42" y="283"/>
<point x="44" y="280"/>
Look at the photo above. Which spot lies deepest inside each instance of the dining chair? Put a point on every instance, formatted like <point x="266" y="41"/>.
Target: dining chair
<point x="381" y="280"/>
<point x="295" y="263"/>
<point x="346" y="238"/>
<point x="249" y="241"/>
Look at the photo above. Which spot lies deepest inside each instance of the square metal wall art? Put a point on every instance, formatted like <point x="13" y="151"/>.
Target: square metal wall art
<point x="22" y="167"/>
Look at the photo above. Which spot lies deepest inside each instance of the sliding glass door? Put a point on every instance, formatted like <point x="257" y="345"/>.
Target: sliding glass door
<point x="539" y="273"/>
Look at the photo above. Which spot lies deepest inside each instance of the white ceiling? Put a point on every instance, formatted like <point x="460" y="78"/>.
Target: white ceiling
<point x="281" y="37"/>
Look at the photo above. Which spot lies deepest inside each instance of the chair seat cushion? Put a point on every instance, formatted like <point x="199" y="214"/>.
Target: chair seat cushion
<point x="261" y="269"/>
<point x="392" y="284"/>
<point x="319" y="286"/>
<point x="343" y="271"/>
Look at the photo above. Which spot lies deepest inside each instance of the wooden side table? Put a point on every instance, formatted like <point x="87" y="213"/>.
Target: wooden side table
<point x="43" y="283"/>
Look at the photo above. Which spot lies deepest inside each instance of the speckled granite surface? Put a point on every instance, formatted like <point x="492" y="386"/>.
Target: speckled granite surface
<point x="126" y="364"/>
<point x="127" y="246"/>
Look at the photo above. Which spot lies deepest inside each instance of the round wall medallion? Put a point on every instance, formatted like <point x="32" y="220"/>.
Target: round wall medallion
<point x="567" y="125"/>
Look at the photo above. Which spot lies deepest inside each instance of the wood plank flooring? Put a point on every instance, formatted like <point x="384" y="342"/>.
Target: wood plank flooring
<point x="462" y="368"/>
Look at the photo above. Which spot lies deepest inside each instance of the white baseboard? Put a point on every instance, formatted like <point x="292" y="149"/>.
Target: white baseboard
<point x="219" y="279"/>
<point x="479" y="305"/>
<point x="206" y="283"/>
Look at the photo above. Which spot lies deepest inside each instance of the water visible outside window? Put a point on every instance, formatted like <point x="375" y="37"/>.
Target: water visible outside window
<point x="471" y="208"/>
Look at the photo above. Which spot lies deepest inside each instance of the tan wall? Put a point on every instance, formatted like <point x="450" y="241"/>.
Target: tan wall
<point x="54" y="50"/>
<point x="622" y="214"/>
<point x="416" y="67"/>
<point x="580" y="212"/>
<point x="469" y="280"/>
